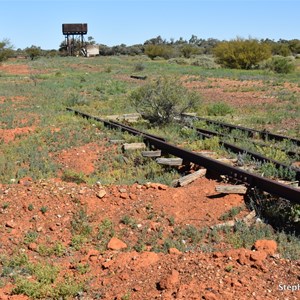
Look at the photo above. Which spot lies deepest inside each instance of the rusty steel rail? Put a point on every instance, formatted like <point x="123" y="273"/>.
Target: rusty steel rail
<point x="252" y="154"/>
<point x="264" y="134"/>
<point x="113" y="124"/>
<point x="239" y="150"/>
<point x="209" y="133"/>
<point x="273" y="187"/>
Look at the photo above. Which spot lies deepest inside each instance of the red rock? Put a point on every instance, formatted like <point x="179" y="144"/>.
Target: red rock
<point x="157" y="186"/>
<point x="258" y="255"/>
<point x="101" y="194"/>
<point x="162" y="186"/>
<point x="32" y="246"/>
<point x="174" y="251"/>
<point x="235" y="283"/>
<point x="93" y="258"/>
<point x="10" y="224"/>
<point x="132" y="196"/>
<point x="244" y="257"/>
<point x="107" y="264"/>
<point x="233" y="254"/>
<point x="93" y="252"/>
<point x="218" y="255"/>
<point x="25" y="181"/>
<point x="269" y="246"/>
<point x="210" y="296"/>
<point x="52" y="228"/>
<point x="124" y="196"/>
<point x="260" y="266"/>
<point x="170" y="281"/>
<point x="154" y="226"/>
<point x="116" y="244"/>
<point x="92" y="255"/>
<point x="146" y="259"/>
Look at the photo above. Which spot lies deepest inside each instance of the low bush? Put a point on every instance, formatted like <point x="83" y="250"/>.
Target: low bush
<point x="162" y="100"/>
<point x="279" y="64"/>
<point x="205" y="62"/>
<point x="179" y="61"/>
<point x="165" y="51"/>
<point x="219" y="109"/>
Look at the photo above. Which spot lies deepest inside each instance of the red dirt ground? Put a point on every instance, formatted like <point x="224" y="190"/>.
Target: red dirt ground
<point x="231" y="274"/>
<point x="9" y="135"/>
<point x="20" y="69"/>
<point x="118" y="272"/>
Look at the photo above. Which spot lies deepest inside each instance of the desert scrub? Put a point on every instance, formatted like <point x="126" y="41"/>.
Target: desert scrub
<point x="47" y="286"/>
<point x="22" y="159"/>
<point x="205" y="62"/>
<point x="231" y="213"/>
<point x="105" y="232"/>
<point x="30" y="236"/>
<point x="127" y="220"/>
<point x="80" y="223"/>
<point x="58" y="249"/>
<point x="219" y="109"/>
<point x="160" y="101"/>
<point x="279" y="64"/>
<point x="270" y="170"/>
<point x="241" y="235"/>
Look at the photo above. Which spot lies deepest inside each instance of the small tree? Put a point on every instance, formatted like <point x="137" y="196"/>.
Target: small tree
<point x="33" y="52"/>
<point x="6" y="50"/>
<point x="162" y="100"/>
<point x="188" y="50"/>
<point x="242" y="54"/>
<point x="165" y="51"/>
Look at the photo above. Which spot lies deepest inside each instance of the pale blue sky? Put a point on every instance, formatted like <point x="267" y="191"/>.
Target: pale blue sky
<point x="113" y="22"/>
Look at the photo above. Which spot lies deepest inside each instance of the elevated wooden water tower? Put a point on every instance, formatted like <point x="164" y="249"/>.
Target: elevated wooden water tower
<point x="74" y="37"/>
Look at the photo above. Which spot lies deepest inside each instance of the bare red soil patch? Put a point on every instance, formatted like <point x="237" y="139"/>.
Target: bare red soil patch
<point x="120" y="270"/>
<point x="9" y="135"/>
<point x="80" y="159"/>
<point x="15" y="69"/>
<point x="236" y="92"/>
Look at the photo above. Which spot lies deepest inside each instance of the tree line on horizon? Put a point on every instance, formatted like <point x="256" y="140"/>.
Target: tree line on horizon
<point x="238" y="53"/>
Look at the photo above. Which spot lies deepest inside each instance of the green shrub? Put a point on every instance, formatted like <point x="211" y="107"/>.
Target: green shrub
<point x="279" y="64"/>
<point x="219" y="109"/>
<point x="229" y="215"/>
<point x="77" y="100"/>
<point x="241" y="53"/>
<point x="33" y="52"/>
<point x="179" y="61"/>
<point x="160" y="101"/>
<point x="205" y="62"/>
<point x="188" y="50"/>
<point x="5" y="50"/>
<point x="165" y="51"/>
<point x="139" y="67"/>
<point x="80" y="223"/>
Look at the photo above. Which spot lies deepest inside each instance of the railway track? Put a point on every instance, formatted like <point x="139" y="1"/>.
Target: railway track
<point x="271" y="186"/>
<point x="242" y="151"/>
<point x="263" y="134"/>
<point x="209" y="133"/>
<point x="250" y="133"/>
